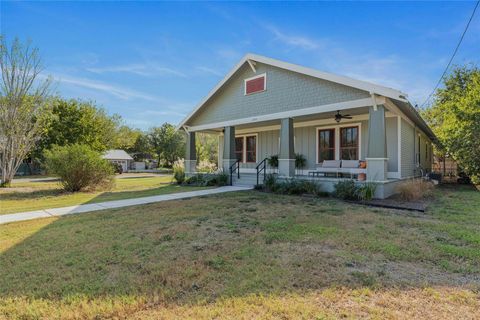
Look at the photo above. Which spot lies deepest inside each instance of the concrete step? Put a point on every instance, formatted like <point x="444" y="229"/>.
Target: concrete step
<point x="247" y="179"/>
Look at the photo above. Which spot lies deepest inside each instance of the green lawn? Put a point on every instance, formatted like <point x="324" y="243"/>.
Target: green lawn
<point x="247" y="255"/>
<point x="36" y="195"/>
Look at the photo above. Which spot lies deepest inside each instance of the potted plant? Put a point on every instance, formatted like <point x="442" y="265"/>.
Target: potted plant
<point x="273" y="161"/>
<point x="300" y="161"/>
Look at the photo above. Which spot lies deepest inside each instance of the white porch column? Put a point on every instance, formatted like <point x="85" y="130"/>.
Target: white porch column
<point x="191" y="155"/>
<point x="286" y="158"/>
<point x="377" y="145"/>
<point x="228" y="148"/>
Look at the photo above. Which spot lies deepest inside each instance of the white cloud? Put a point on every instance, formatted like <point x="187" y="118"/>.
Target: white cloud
<point x="117" y="91"/>
<point x="209" y="70"/>
<point x="164" y="113"/>
<point x="300" y="41"/>
<point x="148" y="70"/>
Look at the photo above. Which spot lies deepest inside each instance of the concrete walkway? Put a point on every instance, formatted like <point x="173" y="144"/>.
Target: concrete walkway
<point x="21" y="216"/>
<point x="122" y="176"/>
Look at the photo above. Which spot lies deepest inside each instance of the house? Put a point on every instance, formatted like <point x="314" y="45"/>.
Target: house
<point x="120" y="157"/>
<point x="266" y="107"/>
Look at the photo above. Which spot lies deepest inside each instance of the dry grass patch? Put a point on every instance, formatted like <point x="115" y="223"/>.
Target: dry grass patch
<point x="246" y="255"/>
<point x="415" y="189"/>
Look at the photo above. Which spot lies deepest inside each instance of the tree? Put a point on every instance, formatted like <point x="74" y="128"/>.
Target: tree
<point x="126" y="138"/>
<point x="455" y="118"/>
<point x="142" y="148"/>
<point x="168" y="143"/>
<point x="207" y="147"/>
<point x="79" y="122"/>
<point x="23" y="105"/>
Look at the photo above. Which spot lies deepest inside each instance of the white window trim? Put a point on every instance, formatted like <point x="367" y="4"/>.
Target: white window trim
<point x="244" y="152"/>
<point x="337" y="139"/>
<point x="253" y="78"/>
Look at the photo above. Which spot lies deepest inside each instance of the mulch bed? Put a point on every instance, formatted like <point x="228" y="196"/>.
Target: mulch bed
<point x="395" y="203"/>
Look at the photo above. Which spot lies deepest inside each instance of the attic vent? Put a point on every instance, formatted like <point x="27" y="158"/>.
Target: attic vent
<point x="256" y="84"/>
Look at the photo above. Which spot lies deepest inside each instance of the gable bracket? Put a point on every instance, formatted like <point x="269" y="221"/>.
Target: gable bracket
<point x="252" y="64"/>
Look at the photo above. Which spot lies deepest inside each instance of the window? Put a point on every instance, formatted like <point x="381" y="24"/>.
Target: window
<point x="246" y="148"/>
<point x="326" y="145"/>
<point x="255" y="84"/>
<point x="251" y="149"/>
<point x="239" y="148"/>
<point x="349" y="143"/>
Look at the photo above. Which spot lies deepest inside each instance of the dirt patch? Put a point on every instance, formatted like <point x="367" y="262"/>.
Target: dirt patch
<point x="17" y="189"/>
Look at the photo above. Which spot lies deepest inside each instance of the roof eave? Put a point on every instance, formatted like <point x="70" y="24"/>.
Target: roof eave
<point x="362" y="85"/>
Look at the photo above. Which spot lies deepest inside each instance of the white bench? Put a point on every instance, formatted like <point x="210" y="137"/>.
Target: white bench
<point x="351" y="167"/>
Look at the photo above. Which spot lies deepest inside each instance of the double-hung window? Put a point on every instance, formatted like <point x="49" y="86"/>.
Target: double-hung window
<point x="349" y="143"/>
<point x="239" y="149"/>
<point x="339" y="143"/>
<point x="326" y="144"/>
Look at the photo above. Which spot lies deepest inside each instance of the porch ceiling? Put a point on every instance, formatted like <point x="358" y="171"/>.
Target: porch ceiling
<point x="312" y="117"/>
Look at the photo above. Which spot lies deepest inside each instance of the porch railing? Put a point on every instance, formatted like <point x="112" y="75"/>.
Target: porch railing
<point x="234" y="167"/>
<point x="262" y="166"/>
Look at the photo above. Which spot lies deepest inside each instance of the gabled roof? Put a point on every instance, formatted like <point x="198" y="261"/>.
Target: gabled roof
<point x="117" y="155"/>
<point x="252" y="58"/>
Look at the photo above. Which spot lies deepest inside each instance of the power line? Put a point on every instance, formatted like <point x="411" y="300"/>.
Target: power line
<point x="453" y="55"/>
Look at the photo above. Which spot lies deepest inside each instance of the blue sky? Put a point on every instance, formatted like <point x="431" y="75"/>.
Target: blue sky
<point x="152" y="62"/>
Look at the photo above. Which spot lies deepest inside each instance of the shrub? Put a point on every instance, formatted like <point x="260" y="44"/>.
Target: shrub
<point x="415" y="189"/>
<point x="366" y="191"/>
<point x="271" y="182"/>
<point x="206" y="166"/>
<point x="179" y="171"/>
<point x="291" y="186"/>
<point x="198" y="179"/>
<point x="79" y="167"/>
<point x="476" y="179"/>
<point x="295" y="186"/>
<point x="201" y="179"/>
<point x="222" y="179"/>
<point x="346" y="190"/>
<point x="117" y="168"/>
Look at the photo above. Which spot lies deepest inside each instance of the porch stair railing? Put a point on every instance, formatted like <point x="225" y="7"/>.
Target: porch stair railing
<point x="261" y="167"/>
<point x="234" y="167"/>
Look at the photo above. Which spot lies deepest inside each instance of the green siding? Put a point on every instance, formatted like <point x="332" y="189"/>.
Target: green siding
<point x="286" y="90"/>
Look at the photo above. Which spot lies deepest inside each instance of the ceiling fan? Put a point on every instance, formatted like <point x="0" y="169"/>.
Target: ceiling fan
<point x="339" y="117"/>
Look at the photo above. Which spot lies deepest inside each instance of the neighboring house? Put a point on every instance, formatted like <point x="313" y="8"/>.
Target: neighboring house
<point x="266" y="107"/>
<point x="120" y="157"/>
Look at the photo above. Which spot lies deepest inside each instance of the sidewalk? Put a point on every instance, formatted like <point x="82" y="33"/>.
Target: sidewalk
<point x="21" y="216"/>
<point x="120" y="176"/>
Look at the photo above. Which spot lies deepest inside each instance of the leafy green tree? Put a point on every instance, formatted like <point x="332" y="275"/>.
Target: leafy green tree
<point x="207" y="147"/>
<point x="80" y="122"/>
<point x="167" y="143"/>
<point x="455" y="118"/>
<point x="142" y="148"/>
<point x="126" y="138"/>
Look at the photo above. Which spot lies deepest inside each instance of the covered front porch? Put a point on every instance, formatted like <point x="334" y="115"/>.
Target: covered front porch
<point x="371" y="134"/>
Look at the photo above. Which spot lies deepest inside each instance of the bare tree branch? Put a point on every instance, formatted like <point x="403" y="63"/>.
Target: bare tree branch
<point x="23" y="105"/>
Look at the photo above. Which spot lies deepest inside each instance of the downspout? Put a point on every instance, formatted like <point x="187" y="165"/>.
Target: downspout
<point x="414" y="146"/>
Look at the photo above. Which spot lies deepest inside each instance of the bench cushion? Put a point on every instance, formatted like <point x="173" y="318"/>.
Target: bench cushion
<point x="331" y="164"/>
<point x="350" y="163"/>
